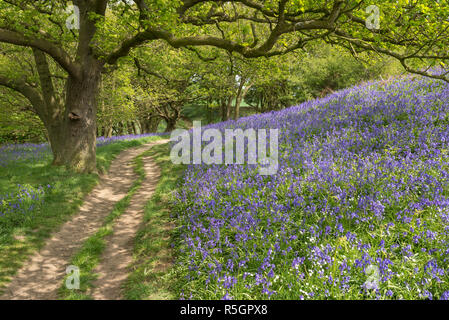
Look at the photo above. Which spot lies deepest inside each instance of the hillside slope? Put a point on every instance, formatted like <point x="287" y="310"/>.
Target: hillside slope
<point x="359" y="207"/>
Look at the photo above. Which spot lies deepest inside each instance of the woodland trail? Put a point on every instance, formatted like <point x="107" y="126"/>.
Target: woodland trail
<point x="113" y="268"/>
<point x="42" y="275"/>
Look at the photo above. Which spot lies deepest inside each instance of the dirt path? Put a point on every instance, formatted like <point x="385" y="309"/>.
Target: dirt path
<point x="42" y="275"/>
<point x="118" y="255"/>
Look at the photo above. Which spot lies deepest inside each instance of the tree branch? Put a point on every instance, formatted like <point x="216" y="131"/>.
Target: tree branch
<point x="141" y="68"/>
<point x="26" y="90"/>
<point x="57" y="53"/>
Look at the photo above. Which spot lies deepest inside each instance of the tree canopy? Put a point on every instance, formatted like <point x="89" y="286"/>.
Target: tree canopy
<point x="56" y="53"/>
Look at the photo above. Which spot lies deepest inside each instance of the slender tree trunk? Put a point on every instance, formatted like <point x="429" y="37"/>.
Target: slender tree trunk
<point x="121" y="128"/>
<point x="144" y="126"/>
<point x="130" y="127"/>
<point x="49" y="108"/>
<point x="136" y="127"/>
<point x="238" y="101"/>
<point x="223" y="110"/>
<point x="240" y="96"/>
<point x="226" y="108"/>
<point x="209" y="111"/>
<point x="71" y="124"/>
<point x="109" y="132"/>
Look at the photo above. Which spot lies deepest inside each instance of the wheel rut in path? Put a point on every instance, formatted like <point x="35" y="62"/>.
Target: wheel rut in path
<point x="113" y="269"/>
<point x="42" y="275"/>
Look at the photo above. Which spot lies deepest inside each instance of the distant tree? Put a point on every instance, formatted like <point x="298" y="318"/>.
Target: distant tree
<point x="117" y="109"/>
<point x="169" y="81"/>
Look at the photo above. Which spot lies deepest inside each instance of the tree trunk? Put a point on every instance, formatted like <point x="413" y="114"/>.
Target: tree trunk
<point x="144" y="126"/>
<point x="150" y="124"/>
<point x="223" y="110"/>
<point x="56" y="137"/>
<point x="238" y="101"/>
<point x="171" y="124"/>
<point x="226" y="108"/>
<point x="153" y="124"/>
<point x="240" y="96"/>
<point x="71" y="124"/>
<point x="130" y="127"/>
<point x="136" y="127"/>
<point x="79" y="149"/>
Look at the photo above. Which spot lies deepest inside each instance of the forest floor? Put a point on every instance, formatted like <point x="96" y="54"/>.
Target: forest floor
<point x="41" y="277"/>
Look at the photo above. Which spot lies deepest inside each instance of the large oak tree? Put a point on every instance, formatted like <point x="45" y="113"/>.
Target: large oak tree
<point x="411" y="31"/>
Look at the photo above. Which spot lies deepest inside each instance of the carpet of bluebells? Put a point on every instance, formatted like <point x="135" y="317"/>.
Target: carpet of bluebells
<point x="20" y="153"/>
<point x="359" y="208"/>
<point x="102" y="141"/>
<point x="21" y="204"/>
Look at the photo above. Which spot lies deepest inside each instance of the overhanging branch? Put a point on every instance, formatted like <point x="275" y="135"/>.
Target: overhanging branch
<point x="56" y="52"/>
<point x="25" y="89"/>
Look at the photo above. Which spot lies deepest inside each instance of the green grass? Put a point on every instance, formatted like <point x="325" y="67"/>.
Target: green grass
<point x="17" y="242"/>
<point x="152" y="275"/>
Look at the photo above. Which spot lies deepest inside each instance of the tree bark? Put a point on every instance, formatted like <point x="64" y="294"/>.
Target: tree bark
<point x="50" y="109"/>
<point x="226" y="108"/>
<point x="171" y="124"/>
<point x="144" y="126"/>
<point x="153" y="124"/>
<point x="108" y="132"/>
<point x="80" y="119"/>
<point x="240" y="96"/>
<point x="135" y="125"/>
<point x="150" y="124"/>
